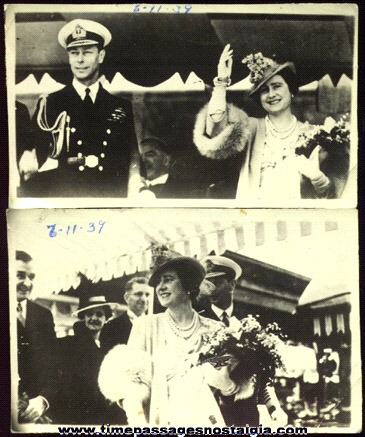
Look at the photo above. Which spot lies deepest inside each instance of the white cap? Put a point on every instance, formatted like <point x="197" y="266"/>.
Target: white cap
<point x="81" y="32"/>
<point x="220" y="265"/>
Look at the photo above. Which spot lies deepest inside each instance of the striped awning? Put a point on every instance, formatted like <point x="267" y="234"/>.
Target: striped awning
<point x="106" y="244"/>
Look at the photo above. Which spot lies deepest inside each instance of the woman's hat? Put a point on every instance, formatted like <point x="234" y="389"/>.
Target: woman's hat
<point x="262" y="69"/>
<point x="165" y="259"/>
<point x="90" y="296"/>
<point x="81" y="32"/>
<point x="89" y="302"/>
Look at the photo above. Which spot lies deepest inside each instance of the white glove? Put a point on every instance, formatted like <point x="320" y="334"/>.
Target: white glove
<point x="279" y="417"/>
<point x="219" y="379"/>
<point x="225" y="63"/>
<point x="28" y="164"/>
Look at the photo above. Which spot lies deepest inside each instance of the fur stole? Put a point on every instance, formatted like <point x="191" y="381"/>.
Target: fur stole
<point x="124" y="370"/>
<point x="230" y="141"/>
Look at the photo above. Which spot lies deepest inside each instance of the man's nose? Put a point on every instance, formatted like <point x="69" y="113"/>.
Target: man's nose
<point x="27" y="281"/>
<point x="80" y="57"/>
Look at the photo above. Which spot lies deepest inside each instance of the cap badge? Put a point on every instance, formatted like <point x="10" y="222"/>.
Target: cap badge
<point x="79" y="32"/>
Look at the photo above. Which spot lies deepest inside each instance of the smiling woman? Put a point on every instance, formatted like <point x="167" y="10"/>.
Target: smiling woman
<point x="177" y="334"/>
<point x="267" y="148"/>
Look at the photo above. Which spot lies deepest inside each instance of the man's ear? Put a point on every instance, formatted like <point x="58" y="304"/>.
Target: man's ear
<point x="233" y="282"/>
<point x="167" y="159"/>
<point x="126" y="294"/>
<point x="101" y="56"/>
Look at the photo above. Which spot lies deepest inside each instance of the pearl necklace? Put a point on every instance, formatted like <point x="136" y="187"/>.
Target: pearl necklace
<point x="281" y="133"/>
<point x="185" y="332"/>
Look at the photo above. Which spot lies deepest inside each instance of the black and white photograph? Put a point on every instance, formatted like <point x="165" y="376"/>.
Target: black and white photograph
<point x="180" y="318"/>
<point x="182" y="105"/>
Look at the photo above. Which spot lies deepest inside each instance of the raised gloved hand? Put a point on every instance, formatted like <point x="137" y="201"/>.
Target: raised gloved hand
<point x="225" y="63"/>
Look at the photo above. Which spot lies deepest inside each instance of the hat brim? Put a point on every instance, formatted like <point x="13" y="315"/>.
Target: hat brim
<point x="277" y="70"/>
<point x="184" y="263"/>
<point x="96" y="305"/>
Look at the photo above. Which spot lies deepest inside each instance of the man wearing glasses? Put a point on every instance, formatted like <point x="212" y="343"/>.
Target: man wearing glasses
<point x="137" y="293"/>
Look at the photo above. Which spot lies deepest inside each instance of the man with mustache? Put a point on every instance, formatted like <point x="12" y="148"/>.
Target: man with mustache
<point x="88" y="132"/>
<point x="137" y="293"/>
<point x="80" y="400"/>
<point x="222" y="275"/>
<point x="36" y="339"/>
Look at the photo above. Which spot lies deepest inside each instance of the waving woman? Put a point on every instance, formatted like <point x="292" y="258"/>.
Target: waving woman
<point x="270" y="169"/>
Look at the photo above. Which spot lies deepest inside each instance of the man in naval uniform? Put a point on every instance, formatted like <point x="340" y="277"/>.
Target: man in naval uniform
<point x="223" y="273"/>
<point x="87" y="130"/>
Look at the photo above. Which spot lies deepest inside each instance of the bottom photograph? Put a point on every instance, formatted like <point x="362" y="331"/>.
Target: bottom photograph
<point x="184" y="321"/>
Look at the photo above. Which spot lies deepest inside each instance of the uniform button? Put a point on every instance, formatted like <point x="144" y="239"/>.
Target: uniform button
<point x="102" y="155"/>
<point x="79" y="155"/>
<point x="81" y="168"/>
<point x="108" y="131"/>
<point x="101" y="168"/>
<point x="105" y="143"/>
<point x="79" y="142"/>
<point x="73" y="129"/>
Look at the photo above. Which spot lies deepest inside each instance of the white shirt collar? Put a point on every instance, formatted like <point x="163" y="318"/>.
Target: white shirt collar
<point x="219" y="311"/>
<point x="80" y="89"/>
<point x="23" y="303"/>
<point x="132" y="316"/>
<point x="160" y="180"/>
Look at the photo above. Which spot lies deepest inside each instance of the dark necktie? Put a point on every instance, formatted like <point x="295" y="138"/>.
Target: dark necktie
<point x="88" y="103"/>
<point x="225" y="318"/>
<point x="21" y="318"/>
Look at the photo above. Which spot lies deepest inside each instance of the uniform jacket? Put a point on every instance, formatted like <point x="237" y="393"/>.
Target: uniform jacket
<point x="36" y="353"/>
<point x="116" y="332"/>
<point x="243" y="412"/>
<point x="106" y="133"/>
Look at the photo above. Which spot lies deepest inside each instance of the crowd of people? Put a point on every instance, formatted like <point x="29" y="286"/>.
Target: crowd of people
<point x="86" y="378"/>
<point x="90" y="136"/>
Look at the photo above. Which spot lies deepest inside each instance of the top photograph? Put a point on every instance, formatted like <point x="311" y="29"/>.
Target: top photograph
<point x="182" y="105"/>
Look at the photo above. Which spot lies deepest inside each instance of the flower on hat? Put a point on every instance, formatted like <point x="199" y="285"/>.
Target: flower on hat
<point x="258" y="66"/>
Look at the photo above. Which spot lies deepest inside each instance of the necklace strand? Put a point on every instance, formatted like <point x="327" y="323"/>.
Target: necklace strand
<point x="282" y="133"/>
<point x="185" y="332"/>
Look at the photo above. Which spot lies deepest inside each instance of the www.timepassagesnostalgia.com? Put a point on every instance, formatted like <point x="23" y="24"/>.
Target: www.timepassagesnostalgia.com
<point x="180" y="431"/>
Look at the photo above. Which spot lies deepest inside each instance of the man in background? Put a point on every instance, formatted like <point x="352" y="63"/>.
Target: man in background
<point x="136" y="295"/>
<point x="222" y="275"/>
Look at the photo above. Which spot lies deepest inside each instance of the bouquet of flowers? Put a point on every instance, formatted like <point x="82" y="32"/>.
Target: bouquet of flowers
<point x="257" y="349"/>
<point x="333" y="137"/>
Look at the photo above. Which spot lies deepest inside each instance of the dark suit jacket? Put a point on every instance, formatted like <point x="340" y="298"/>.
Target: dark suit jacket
<point x="107" y="133"/>
<point x="79" y="396"/>
<point x="116" y="332"/>
<point x="36" y="352"/>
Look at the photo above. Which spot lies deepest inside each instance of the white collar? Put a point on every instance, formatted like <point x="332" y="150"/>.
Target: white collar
<point x="160" y="180"/>
<point x="23" y="303"/>
<point x="132" y="316"/>
<point x="80" y="89"/>
<point x="219" y="311"/>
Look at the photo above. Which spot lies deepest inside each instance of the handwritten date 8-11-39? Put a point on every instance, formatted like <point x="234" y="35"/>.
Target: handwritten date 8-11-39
<point x="54" y="230"/>
<point x="176" y="9"/>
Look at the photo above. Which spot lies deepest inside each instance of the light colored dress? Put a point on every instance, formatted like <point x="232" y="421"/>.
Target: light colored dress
<point x="178" y="392"/>
<point x="269" y="167"/>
